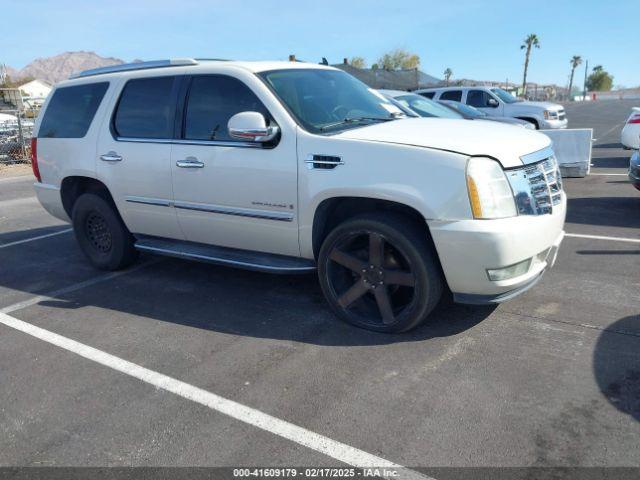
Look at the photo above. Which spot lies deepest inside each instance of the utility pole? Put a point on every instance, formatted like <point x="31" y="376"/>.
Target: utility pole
<point x="584" y="89"/>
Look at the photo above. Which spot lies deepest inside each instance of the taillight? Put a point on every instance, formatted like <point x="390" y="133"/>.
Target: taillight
<point x="34" y="158"/>
<point x="634" y="118"/>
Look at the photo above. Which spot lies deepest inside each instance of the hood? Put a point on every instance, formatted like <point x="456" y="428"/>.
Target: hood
<point x="502" y="142"/>
<point x="544" y="105"/>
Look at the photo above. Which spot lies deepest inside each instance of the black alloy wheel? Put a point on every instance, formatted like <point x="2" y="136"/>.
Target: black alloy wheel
<point x="378" y="273"/>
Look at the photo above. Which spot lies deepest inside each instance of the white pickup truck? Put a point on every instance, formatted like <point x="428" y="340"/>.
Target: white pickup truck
<point x="288" y="167"/>
<point x="500" y="103"/>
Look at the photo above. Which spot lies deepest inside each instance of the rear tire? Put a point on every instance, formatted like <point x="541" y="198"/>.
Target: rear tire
<point x="379" y="272"/>
<point x="101" y="233"/>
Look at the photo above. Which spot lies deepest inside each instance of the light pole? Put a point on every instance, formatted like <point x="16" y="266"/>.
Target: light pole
<point x="584" y="88"/>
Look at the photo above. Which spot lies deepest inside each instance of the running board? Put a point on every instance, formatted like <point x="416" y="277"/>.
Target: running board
<point x="232" y="257"/>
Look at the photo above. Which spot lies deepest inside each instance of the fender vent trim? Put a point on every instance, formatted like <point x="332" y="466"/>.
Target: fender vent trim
<point x="323" y="162"/>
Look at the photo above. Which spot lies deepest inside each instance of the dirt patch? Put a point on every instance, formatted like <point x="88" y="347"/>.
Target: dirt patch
<point x="15" y="170"/>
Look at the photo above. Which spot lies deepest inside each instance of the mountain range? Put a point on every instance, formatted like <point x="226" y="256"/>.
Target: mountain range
<point x="59" y="67"/>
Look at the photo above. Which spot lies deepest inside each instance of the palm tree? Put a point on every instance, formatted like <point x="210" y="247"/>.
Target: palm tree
<point x="529" y="42"/>
<point x="575" y="61"/>
<point x="447" y="75"/>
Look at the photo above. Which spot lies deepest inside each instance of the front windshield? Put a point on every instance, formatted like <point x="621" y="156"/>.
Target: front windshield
<point x="467" y="110"/>
<point x="425" y="107"/>
<point x="328" y="100"/>
<point x="505" y="96"/>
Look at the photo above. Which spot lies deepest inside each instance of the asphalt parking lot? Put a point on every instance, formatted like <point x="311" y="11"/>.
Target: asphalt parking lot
<point x="551" y="378"/>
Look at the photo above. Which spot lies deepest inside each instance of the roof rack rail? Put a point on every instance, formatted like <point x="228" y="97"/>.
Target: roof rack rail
<point x="124" y="67"/>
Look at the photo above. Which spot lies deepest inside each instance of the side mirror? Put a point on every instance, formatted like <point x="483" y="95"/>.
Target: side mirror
<point x="492" y="102"/>
<point x="251" y="127"/>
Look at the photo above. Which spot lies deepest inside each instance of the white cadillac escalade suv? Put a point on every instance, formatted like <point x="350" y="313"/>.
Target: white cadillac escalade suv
<point x="290" y="167"/>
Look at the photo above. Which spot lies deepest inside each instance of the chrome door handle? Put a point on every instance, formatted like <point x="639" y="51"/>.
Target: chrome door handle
<point x="111" y="157"/>
<point x="190" y="162"/>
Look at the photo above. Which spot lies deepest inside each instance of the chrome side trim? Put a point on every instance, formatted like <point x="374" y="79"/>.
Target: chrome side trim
<point x="144" y="140"/>
<point x="537" y="156"/>
<point x="224" y="261"/>
<point x="216" y="143"/>
<point x="212" y="143"/>
<point x="324" y="162"/>
<point x="149" y="201"/>
<point x="240" y="212"/>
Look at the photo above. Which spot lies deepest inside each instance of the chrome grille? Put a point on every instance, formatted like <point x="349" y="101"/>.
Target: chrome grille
<point x="537" y="187"/>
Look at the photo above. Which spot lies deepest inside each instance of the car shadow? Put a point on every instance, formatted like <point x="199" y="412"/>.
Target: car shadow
<point x="226" y="300"/>
<point x="609" y="145"/>
<point x="608" y="252"/>
<point x="610" y="162"/>
<point x="18" y="236"/>
<point x="605" y="211"/>
<point x="616" y="365"/>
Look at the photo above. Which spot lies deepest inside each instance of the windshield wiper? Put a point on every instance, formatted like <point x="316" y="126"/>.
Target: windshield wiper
<point x="356" y="120"/>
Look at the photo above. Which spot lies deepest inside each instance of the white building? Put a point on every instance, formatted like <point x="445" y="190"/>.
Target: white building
<point x="36" y="89"/>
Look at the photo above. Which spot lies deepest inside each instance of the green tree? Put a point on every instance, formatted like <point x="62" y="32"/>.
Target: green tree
<point x="575" y="61"/>
<point x="600" y="80"/>
<point x="530" y="42"/>
<point x="358" y="62"/>
<point x="399" y="59"/>
<point x="447" y="75"/>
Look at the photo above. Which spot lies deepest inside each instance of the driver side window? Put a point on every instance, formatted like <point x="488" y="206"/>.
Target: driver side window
<point x="212" y="100"/>
<point x="477" y="98"/>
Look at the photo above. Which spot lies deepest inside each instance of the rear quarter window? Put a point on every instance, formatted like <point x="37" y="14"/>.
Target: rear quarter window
<point x="71" y="110"/>
<point x="428" y="94"/>
<point x="455" y="95"/>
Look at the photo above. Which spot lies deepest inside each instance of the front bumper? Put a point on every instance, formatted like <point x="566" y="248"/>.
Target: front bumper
<point x="468" y="248"/>
<point x="554" y="124"/>
<point x="634" y="170"/>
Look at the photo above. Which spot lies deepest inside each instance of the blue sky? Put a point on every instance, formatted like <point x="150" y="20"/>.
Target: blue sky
<point x="476" y="39"/>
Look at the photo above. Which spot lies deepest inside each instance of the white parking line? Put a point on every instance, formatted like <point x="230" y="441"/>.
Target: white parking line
<point x="31" y="239"/>
<point x="600" y="237"/>
<point x="332" y="448"/>
<point x="604" y="135"/>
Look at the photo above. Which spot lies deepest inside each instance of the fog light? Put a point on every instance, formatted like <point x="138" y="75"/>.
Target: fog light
<point x="511" y="271"/>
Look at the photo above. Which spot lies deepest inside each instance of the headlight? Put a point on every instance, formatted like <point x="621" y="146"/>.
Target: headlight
<point x="550" y="115"/>
<point x="489" y="192"/>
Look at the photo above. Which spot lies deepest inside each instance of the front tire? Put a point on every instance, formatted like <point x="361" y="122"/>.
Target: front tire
<point x="378" y="272"/>
<point x="101" y="233"/>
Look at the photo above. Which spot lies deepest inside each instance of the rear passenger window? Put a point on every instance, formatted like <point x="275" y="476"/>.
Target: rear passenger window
<point x="212" y="101"/>
<point x="455" y="95"/>
<point x="146" y="109"/>
<point x="71" y="110"/>
<point x="428" y="94"/>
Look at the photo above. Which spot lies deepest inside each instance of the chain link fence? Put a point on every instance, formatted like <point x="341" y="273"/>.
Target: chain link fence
<point x="17" y="118"/>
